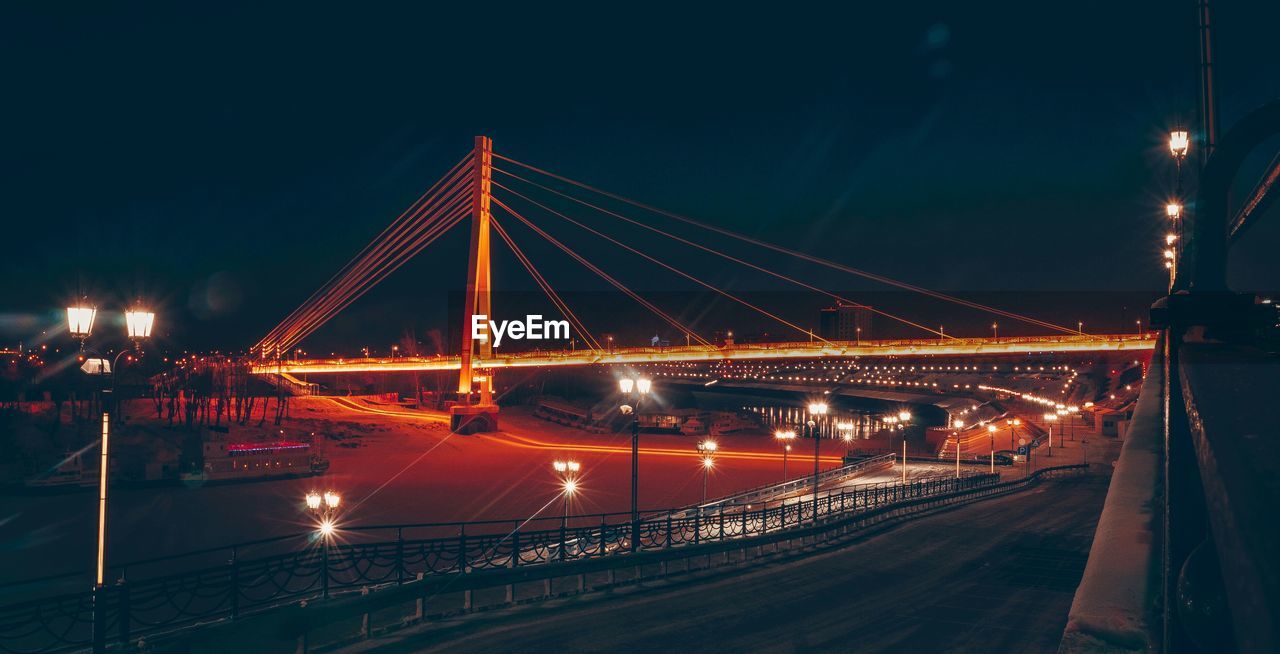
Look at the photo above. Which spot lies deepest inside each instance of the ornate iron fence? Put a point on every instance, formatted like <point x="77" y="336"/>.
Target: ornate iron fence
<point x="356" y="560"/>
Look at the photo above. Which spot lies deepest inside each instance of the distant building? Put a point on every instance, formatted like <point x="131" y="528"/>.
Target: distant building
<point x="845" y="322"/>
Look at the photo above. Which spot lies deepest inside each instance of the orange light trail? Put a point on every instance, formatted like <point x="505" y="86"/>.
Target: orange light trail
<point x="526" y="442"/>
<point x="529" y="443"/>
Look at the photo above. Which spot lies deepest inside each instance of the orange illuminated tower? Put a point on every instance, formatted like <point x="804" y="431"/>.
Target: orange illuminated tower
<point x="466" y="416"/>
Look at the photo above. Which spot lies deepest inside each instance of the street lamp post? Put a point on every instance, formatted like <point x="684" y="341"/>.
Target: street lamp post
<point x="637" y="388"/>
<point x="957" y="425"/>
<point x="568" y="471"/>
<point x="324" y="507"/>
<point x="1050" y="418"/>
<point x="904" y="417"/>
<point x="991" y="432"/>
<point x="846" y="435"/>
<point x="707" y="449"/>
<point x="138" y="324"/>
<point x="995" y="331"/>
<point x="957" y="435"/>
<point x="815" y="409"/>
<point x="785" y="436"/>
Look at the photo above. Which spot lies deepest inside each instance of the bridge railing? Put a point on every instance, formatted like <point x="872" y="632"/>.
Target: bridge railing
<point x="353" y="561"/>
<point x="1216" y="586"/>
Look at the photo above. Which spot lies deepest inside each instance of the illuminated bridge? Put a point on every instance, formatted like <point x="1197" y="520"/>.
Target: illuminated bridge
<point x="805" y="350"/>
<point x="484" y="181"/>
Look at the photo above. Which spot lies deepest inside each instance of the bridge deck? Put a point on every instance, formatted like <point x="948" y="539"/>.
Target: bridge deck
<point x="804" y="350"/>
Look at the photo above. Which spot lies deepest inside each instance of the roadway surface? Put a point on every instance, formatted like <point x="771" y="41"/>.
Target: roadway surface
<point x="997" y="575"/>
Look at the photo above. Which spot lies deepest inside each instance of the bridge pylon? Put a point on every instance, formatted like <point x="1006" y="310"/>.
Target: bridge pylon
<point x="468" y="416"/>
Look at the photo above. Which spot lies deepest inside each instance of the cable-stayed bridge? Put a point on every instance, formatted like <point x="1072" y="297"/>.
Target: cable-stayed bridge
<point x="483" y="182"/>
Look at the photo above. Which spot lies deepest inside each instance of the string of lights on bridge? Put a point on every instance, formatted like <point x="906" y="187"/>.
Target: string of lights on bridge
<point x="853" y="373"/>
<point x="1179" y="144"/>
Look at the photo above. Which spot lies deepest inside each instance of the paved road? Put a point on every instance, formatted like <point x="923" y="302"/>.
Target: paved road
<point x="995" y="576"/>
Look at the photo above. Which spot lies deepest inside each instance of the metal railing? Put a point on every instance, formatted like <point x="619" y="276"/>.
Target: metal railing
<point x="835" y="475"/>
<point x="1219" y="570"/>
<point x="356" y="560"/>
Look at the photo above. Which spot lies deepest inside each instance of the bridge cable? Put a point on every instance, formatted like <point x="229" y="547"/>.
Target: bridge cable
<point x="546" y="287"/>
<point x="795" y="253"/>
<point x="728" y="256"/>
<point x="388" y="232"/>
<point x="369" y="273"/>
<point x="603" y="275"/>
<point x="443" y="220"/>
<point x="361" y="271"/>
<point x="358" y="265"/>
<point x="667" y="266"/>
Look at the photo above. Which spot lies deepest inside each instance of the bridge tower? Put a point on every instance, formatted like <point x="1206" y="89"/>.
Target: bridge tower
<point x="467" y="417"/>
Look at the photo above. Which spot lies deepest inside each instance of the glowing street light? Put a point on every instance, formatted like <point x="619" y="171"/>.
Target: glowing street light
<point x="324" y="506"/>
<point x="641" y="387"/>
<point x="785" y="436"/>
<point x="904" y="417"/>
<point x="566" y="466"/>
<point x="707" y="449"/>
<point x="138" y="322"/>
<point x="991" y="433"/>
<point x="846" y="432"/>
<point x="568" y="471"/>
<point x="1050" y="418"/>
<point x="1013" y="423"/>
<point x="1179" y="143"/>
<point x="80" y="321"/>
<point x="815" y="409"/>
<point x="322" y="503"/>
<point x="1173" y="210"/>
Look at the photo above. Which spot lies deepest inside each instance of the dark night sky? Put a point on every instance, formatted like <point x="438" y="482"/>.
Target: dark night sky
<point x="224" y="164"/>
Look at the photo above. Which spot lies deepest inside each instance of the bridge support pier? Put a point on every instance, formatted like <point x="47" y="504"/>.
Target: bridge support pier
<point x="473" y="418"/>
